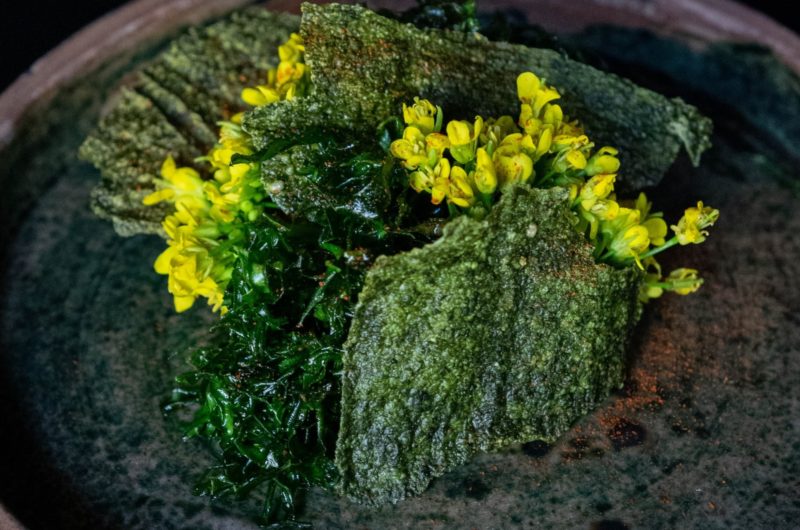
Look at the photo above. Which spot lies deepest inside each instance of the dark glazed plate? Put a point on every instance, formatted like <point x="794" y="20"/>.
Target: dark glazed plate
<point x="705" y="434"/>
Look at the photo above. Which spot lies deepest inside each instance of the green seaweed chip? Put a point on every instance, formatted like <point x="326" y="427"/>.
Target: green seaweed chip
<point x="173" y="106"/>
<point x="364" y="66"/>
<point x="503" y="331"/>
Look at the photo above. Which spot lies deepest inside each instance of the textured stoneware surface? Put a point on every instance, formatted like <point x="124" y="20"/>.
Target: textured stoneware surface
<point x="704" y="434"/>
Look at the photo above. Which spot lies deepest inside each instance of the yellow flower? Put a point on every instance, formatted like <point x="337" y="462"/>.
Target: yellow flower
<point x="441" y="181"/>
<point x="680" y="281"/>
<point x="684" y="281"/>
<point x="656" y="229"/>
<point x="421" y="180"/>
<point x="460" y="191"/>
<point x="260" y="95"/>
<point x="289" y="73"/>
<point x="495" y="131"/>
<point x="691" y="227"/>
<point x="179" y="186"/>
<point x="527" y="86"/>
<point x="285" y="82"/>
<point x="436" y="144"/>
<point x="545" y="142"/>
<point x="292" y="50"/>
<point x="603" y="161"/>
<point x="232" y="137"/>
<point x="627" y="239"/>
<point x="435" y="180"/>
<point x="232" y="176"/>
<point x="532" y="91"/>
<point x="553" y="115"/>
<point x="189" y="279"/>
<point x="652" y="286"/>
<point x="575" y="159"/>
<point x="463" y="138"/>
<point x="596" y="188"/>
<point x="605" y="209"/>
<point x="518" y="142"/>
<point x="562" y="141"/>
<point x="536" y="111"/>
<point x="512" y="165"/>
<point x="643" y="205"/>
<point x="656" y="226"/>
<point x="220" y="156"/>
<point x="485" y="176"/>
<point x="630" y="243"/>
<point x="411" y="148"/>
<point x="423" y="115"/>
<point x="601" y="210"/>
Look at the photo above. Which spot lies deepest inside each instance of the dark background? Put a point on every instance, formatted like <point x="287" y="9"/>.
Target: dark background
<point x="29" y="28"/>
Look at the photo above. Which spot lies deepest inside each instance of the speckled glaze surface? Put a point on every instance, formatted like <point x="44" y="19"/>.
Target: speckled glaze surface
<point x="705" y="433"/>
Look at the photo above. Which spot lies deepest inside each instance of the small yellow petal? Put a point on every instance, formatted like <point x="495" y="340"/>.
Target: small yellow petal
<point x="168" y="167"/>
<point x="163" y="262"/>
<point x="545" y="141"/>
<point x="183" y="303"/>
<point x="576" y="159"/>
<point x="527" y="86"/>
<point x="158" y="196"/>
<point x="458" y="132"/>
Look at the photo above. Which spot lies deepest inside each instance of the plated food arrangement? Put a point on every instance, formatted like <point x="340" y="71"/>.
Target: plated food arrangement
<point x="404" y="277"/>
<point x="397" y="291"/>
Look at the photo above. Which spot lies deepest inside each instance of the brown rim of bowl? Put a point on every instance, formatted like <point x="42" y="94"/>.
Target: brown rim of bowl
<point x="7" y="522"/>
<point x="134" y="23"/>
<point x="142" y="20"/>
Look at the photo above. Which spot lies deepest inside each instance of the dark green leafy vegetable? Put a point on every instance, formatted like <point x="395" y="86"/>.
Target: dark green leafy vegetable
<point x="266" y="384"/>
<point x="505" y="330"/>
<point x="443" y="14"/>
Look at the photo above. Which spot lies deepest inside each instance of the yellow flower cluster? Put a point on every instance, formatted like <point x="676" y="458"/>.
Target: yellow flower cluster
<point x="628" y="232"/>
<point x="471" y="162"/>
<point x="287" y="81"/>
<point x="204" y="230"/>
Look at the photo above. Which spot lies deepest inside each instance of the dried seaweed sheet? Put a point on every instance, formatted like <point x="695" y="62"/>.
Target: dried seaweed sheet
<point x="173" y="107"/>
<point x="363" y="66"/>
<point x="504" y="330"/>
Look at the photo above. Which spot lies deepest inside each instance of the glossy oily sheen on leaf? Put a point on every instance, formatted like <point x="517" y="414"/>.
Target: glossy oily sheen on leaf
<point x="503" y="331"/>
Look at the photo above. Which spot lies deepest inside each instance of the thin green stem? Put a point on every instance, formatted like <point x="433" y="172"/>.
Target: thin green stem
<point x="677" y="284"/>
<point x="655" y="250"/>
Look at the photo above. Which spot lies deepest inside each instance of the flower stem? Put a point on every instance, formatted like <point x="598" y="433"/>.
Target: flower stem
<point x="655" y="250"/>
